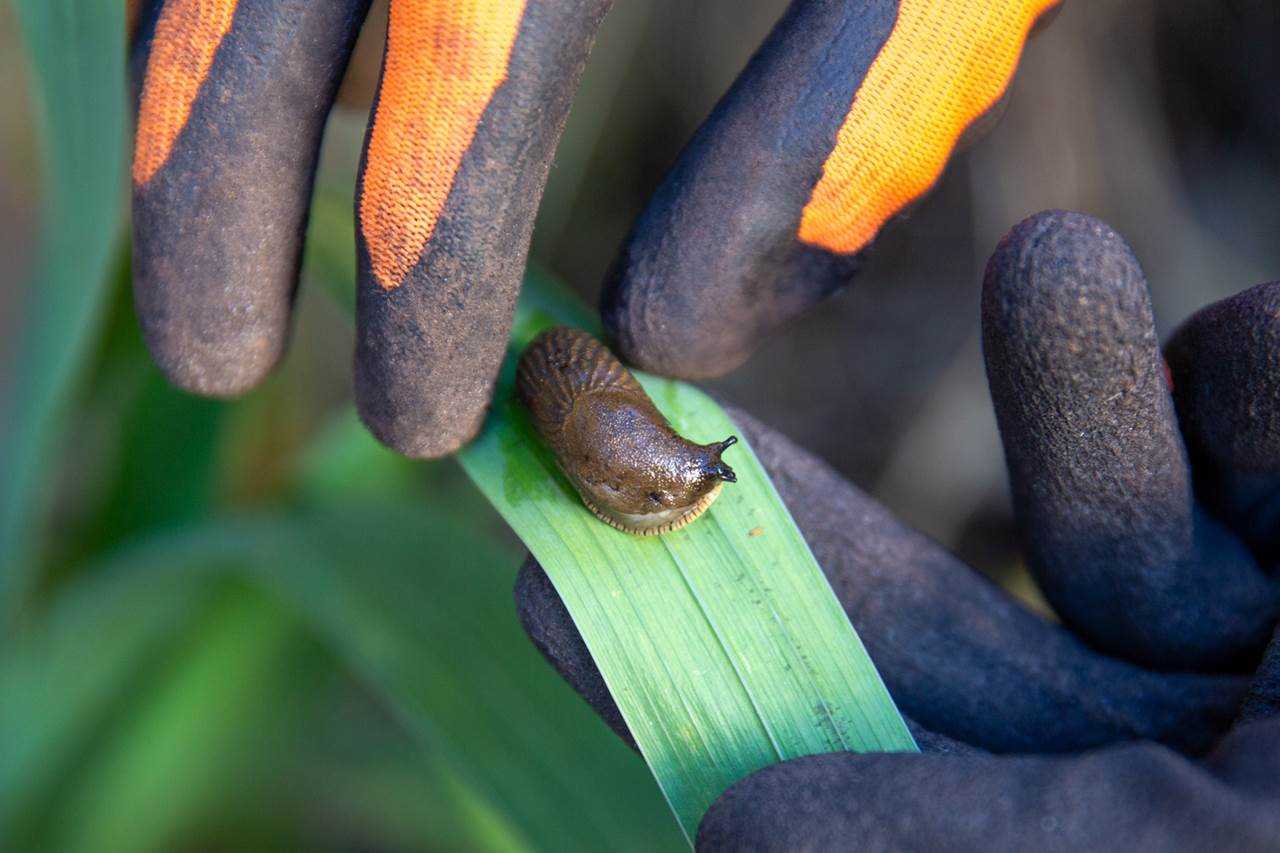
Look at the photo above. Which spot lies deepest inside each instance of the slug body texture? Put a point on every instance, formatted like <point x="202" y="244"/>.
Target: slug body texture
<point x="630" y="467"/>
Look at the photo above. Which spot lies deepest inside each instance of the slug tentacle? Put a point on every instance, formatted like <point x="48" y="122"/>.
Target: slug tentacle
<point x="629" y="466"/>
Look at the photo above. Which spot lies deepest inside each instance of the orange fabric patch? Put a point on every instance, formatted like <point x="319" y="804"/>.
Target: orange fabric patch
<point x="445" y="59"/>
<point x="945" y="64"/>
<point x="187" y="36"/>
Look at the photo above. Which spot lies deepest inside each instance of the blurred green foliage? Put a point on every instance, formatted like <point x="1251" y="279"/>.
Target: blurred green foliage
<point x="151" y="699"/>
<point x="246" y="625"/>
<point x="78" y="89"/>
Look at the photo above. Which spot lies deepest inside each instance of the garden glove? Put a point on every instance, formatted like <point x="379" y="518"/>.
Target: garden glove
<point x="845" y="115"/>
<point x="1163" y="582"/>
<point x="472" y="100"/>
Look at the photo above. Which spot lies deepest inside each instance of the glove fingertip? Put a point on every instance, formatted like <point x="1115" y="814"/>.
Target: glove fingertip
<point x="470" y="107"/>
<point x="1225" y="365"/>
<point x="1099" y="471"/>
<point x="232" y="104"/>
<point x="802" y="804"/>
<point x="420" y="407"/>
<point x="714" y="263"/>
<point x="845" y="117"/>
<point x="204" y="354"/>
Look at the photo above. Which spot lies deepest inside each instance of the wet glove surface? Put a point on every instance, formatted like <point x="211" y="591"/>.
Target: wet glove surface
<point x="1037" y="722"/>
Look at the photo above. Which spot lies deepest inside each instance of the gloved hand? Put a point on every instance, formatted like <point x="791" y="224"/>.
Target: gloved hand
<point x="846" y="114"/>
<point x="1166" y="607"/>
<point x="471" y="103"/>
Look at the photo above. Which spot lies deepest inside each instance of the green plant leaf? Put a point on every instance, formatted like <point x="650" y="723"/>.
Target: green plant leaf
<point x="725" y="651"/>
<point x="417" y="606"/>
<point x="203" y="726"/>
<point x="423" y="610"/>
<point x="722" y="643"/>
<point x="54" y="704"/>
<point x="76" y="49"/>
<point x="168" y="460"/>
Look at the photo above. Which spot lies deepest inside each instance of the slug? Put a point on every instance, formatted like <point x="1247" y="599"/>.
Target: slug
<point x="629" y="466"/>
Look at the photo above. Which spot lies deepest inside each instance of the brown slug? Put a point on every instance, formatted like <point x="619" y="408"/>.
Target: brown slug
<point x="629" y="466"/>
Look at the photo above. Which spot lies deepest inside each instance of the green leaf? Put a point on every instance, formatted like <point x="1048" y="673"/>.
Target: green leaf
<point x="424" y="611"/>
<point x="168" y="460"/>
<point x="722" y="643"/>
<point x="345" y="460"/>
<point x="199" y="729"/>
<point x="417" y="606"/>
<point x="725" y="651"/>
<point x="54" y="704"/>
<point x="76" y="50"/>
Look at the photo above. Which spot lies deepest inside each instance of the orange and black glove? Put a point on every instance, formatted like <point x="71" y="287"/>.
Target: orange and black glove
<point x="472" y="100"/>
<point x="846" y="115"/>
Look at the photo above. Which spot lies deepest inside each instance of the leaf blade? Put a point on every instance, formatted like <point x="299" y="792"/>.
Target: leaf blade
<point x="725" y="651"/>
<point x="76" y="49"/>
<point x="434" y="636"/>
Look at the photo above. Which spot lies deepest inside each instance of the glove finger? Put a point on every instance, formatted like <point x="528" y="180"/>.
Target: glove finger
<point x="1225" y="363"/>
<point x="1133" y="797"/>
<point x="846" y="114"/>
<point x="1263" y="699"/>
<point x="1098" y="470"/>
<point x="547" y="622"/>
<point x="472" y="101"/>
<point x="960" y="657"/>
<point x="233" y="104"/>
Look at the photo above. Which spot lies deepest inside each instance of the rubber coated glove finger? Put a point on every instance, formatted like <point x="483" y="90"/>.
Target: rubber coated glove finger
<point x="1225" y="363"/>
<point x="473" y="98"/>
<point x="233" y="103"/>
<point x="846" y="115"/>
<point x="1100" y="479"/>
<point x="1132" y="797"/>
